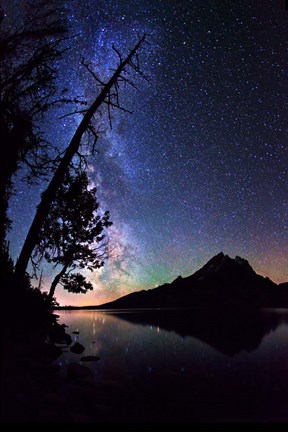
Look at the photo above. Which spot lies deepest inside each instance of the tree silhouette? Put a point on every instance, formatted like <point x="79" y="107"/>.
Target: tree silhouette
<point x="73" y="235"/>
<point x="109" y="96"/>
<point x="29" y="52"/>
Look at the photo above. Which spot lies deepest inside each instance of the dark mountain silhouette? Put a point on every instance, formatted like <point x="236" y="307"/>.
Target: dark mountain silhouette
<point x="221" y="282"/>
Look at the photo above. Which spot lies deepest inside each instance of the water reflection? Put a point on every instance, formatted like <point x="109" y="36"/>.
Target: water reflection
<point x="228" y="331"/>
<point x="167" y="365"/>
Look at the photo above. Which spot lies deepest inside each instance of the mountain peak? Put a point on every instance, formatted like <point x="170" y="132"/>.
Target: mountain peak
<point x="223" y="281"/>
<point x="221" y="264"/>
<point x="243" y="262"/>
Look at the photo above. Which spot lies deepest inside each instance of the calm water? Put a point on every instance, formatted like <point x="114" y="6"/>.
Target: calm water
<point x="167" y="365"/>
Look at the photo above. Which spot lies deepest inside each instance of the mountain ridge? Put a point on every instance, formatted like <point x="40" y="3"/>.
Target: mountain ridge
<point x="221" y="282"/>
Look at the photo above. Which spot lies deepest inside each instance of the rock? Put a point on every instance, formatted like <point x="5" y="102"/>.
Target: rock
<point x="77" y="348"/>
<point x="90" y="358"/>
<point x="58" y="335"/>
<point x="53" y="351"/>
<point x="76" y="370"/>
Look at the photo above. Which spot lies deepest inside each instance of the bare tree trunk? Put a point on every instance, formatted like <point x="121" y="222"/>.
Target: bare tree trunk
<point x="49" y="195"/>
<point x="55" y="283"/>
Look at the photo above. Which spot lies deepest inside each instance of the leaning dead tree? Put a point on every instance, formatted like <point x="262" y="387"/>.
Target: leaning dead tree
<point x="109" y="95"/>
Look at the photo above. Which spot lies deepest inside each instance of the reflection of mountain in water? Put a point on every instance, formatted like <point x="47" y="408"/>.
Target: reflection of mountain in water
<point x="226" y="296"/>
<point x="228" y="331"/>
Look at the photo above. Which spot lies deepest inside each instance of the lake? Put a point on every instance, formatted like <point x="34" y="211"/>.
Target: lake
<point x="191" y="365"/>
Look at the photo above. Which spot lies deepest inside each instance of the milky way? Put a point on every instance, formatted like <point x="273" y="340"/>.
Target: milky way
<point x="202" y="163"/>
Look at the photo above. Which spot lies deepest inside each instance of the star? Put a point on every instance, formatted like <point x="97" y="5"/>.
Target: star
<point x="201" y="164"/>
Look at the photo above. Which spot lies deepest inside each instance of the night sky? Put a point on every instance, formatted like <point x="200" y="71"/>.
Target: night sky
<point x="202" y="164"/>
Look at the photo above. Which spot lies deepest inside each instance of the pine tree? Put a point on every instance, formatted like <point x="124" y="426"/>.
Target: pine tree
<point x="73" y="235"/>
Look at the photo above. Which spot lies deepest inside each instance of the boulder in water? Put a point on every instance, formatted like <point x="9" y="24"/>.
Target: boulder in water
<point x="90" y="358"/>
<point x="77" y="348"/>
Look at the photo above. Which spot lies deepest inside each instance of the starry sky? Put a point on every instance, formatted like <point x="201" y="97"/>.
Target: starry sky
<point x="201" y="166"/>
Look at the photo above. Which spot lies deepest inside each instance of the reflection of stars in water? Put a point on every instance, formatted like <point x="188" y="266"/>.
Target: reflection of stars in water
<point x="201" y="165"/>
